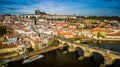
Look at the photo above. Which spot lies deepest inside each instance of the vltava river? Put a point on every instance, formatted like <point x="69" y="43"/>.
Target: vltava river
<point x="56" y="58"/>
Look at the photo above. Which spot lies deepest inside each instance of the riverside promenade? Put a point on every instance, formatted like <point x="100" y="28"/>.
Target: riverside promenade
<point x="19" y="57"/>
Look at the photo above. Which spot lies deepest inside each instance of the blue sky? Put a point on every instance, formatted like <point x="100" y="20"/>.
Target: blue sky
<point x="64" y="7"/>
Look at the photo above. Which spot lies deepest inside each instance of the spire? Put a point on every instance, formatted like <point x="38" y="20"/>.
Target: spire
<point x="55" y="14"/>
<point x="74" y="14"/>
<point x="38" y="9"/>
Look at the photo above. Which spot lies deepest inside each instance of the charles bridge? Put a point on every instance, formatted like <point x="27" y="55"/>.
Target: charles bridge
<point x="109" y="56"/>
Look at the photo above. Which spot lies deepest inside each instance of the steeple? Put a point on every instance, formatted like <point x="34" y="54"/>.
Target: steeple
<point x="55" y="14"/>
<point x="74" y="14"/>
<point x="39" y="12"/>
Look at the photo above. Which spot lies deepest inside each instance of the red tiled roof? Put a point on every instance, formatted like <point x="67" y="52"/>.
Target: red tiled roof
<point x="116" y="34"/>
<point x="102" y="30"/>
<point x="64" y="33"/>
<point x="81" y="36"/>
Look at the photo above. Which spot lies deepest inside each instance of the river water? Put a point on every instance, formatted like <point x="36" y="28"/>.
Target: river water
<point x="56" y="58"/>
<point x="110" y="45"/>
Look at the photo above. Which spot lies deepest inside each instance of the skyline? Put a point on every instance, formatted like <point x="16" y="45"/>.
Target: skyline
<point x="62" y="7"/>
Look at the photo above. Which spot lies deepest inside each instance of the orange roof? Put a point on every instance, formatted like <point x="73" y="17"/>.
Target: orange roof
<point x="101" y="29"/>
<point x="64" y="33"/>
<point x="115" y="34"/>
<point x="81" y="36"/>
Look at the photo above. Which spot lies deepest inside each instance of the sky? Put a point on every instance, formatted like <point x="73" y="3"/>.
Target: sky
<point x="62" y="7"/>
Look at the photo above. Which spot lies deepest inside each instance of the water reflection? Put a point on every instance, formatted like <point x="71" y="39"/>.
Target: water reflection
<point x="56" y="58"/>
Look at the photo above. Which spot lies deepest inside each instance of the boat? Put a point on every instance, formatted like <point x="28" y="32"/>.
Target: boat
<point x="31" y="59"/>
<point x="3" y="64"/>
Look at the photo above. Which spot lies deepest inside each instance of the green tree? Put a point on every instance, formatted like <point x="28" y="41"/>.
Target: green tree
<point x="3" y="30"/>
<point x="101" y="34"/>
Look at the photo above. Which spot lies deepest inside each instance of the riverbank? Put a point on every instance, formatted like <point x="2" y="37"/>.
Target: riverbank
<point x="106" y="39"/>
<point x="47" y="49"/>
<point x="56" y="58"/>
<point x="19" y="57"/>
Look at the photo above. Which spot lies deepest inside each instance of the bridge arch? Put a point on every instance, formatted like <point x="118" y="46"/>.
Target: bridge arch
<point x="116" y="63"/>
<point x="109" y="56"/>
<point x="62" y="43"/>
<point x="58" y="41"/>
<point x="98" y="58"/>
<point x="80" y="51"/>
<point x="65" y="44"/>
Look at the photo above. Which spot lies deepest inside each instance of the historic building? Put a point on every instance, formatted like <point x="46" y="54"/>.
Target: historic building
<point x="40" y="14"/>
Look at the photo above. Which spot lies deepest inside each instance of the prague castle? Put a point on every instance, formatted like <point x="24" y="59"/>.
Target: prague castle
<point x="40" y="14"/>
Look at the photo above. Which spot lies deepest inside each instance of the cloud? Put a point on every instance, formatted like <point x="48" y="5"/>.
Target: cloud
<point x="51" y="7"/>
<point x="111" y="0"/>
<point x="114" y="7"/>
<point x="108" y="0"/>
<point x="4" y="2"/>
<point x="9" y="8"/>
<point x="17" y="2"/>
<point x="12" y="12"/>
<point x="69" y="7"/>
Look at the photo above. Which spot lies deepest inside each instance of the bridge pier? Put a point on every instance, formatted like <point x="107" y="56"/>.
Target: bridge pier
<point x="109" y="56"/>
<point x="102" y="65"/>
<point x="65" y="52"/>
<point x="87" y="53"/>
<point x="61" y="46"/>
<point x="108" y="61"/>
<point x="70" y="49"/>
<point x="81" y="58"/>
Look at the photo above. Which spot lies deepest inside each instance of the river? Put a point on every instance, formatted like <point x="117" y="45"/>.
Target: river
<point x="56" y="58"/>
<point x="111" y="45"/>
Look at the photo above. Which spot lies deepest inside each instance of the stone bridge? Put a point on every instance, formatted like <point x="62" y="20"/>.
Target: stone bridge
<point x="109" y="56"/>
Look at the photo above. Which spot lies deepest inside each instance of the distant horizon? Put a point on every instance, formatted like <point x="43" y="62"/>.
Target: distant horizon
<point x="62" y="7"/>
<point x="67" y="14"/>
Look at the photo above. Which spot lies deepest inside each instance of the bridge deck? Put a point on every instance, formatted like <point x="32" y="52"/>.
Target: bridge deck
<point x="89" y="46"/>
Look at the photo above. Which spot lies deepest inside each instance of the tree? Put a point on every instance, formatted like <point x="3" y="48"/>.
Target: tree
<point x="100" y="34"/>
<point x="3" y="30"/>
